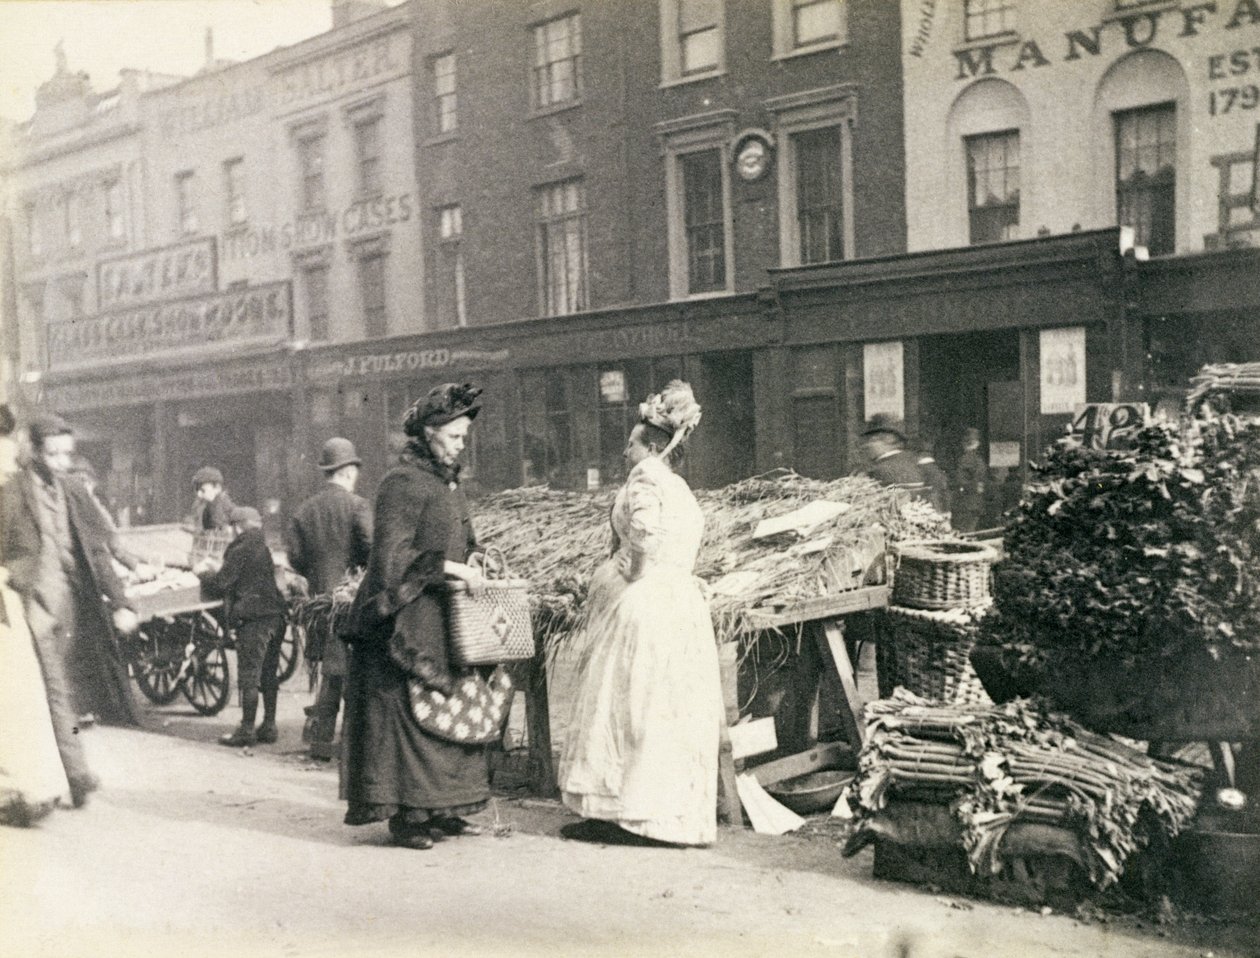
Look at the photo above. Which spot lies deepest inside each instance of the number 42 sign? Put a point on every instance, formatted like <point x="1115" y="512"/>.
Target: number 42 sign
<point x="1104" y="425"/>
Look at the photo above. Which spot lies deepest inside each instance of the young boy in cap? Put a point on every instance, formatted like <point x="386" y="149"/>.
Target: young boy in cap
<point x="255" y="610"/>
<point x="213" y="508"/>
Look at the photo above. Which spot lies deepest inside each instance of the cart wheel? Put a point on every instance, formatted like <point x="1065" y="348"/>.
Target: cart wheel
<point x="158" y="653"/>
<point x="208" y="681"/>
<point x="290" y="651"/>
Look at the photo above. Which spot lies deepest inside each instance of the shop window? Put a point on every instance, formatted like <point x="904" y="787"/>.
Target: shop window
<point x="234" y="191"/>
<point x="546" y="427"/>
<point x="988" y="18"/>
<point x="115" y="211"/>
<point x="819" y="194"/>
<point x="993" y="186"/>
<point x="692" y="43"/>
<point x="622" y="386"/>
<point x="445" y="114"/>
<point x="704" y="220"/>
<point x="557" y="71"/>
<point x="186" y="201"/>
<point x="561" y="232"/>
<point x="372" y="294"/>
<point x="451" y="306"/>
<point x="367" y="154"/>
<point x="310" y="150"/>
<point x="315" y="283"/>
<point x="1146" y="174"/>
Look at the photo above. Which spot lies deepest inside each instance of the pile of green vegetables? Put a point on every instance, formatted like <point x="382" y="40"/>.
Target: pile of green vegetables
<point x="1148" y="552"/>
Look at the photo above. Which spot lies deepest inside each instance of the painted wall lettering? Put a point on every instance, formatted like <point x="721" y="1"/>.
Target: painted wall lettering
<point x="261" y="314"/>
<point x="1137" y="31"/>
<point x="168" y="273"/>
<point x="317" y="229"/>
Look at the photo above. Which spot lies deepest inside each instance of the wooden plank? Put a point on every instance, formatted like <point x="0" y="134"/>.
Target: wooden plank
<point x="825" y="755"/>
<point x="851" y="717"/>
<point x="730" y="810"/>
<point x="823" y="607"/>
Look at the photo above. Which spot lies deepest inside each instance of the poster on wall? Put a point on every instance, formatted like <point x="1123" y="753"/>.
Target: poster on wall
<point x="883" y="379"/>
<point x="1062" y="370"/>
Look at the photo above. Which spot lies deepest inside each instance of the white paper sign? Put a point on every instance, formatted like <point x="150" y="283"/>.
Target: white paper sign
<point x="1062" y="370"/>
<point x="883" y="379"/>
<point x="1004" y="455"/>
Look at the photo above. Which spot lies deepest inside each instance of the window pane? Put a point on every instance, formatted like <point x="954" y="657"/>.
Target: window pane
<point x="816" y="21"/>
<point x="562" y="247"/>
<point x="317" y="301"/>
<point x="372" y="292"/>
<point x="694" y="15"/>
<point x="819" y="195"/>
<point x="704" y="220"/>
<point x="1146" y="144"/>
<point x="986" y="18"/>
<point x="557" y="61"/>
<point x="993" y="186"/>
<point x="700" y="51"/>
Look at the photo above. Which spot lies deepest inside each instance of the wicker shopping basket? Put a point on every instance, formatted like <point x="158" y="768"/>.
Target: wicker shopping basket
<point x="939" y="574"/>
<point x="928" y="653"/>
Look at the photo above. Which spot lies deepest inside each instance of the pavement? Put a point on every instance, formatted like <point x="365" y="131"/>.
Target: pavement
<point x="193" y="849"/>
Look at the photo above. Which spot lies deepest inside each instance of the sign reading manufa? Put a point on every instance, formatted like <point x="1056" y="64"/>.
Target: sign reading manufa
<point x="258" y="316"/>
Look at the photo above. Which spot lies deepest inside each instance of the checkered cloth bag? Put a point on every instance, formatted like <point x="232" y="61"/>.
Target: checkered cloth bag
<point x="493" y="626"/>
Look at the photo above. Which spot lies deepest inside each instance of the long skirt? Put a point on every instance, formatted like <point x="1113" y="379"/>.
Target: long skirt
<point x="389" y="764"/>
<point x="32" y="777"/>
<point x="641" y="749"/>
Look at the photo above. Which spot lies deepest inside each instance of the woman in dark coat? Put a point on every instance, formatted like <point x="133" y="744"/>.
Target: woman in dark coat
<point x="393" y="768"/>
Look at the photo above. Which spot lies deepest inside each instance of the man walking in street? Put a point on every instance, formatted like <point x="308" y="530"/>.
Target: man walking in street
<point x="56" y="548"/>
<point x="888" y="461"/>
<point x="255" y="609"/>
<point x="331" y="534"/>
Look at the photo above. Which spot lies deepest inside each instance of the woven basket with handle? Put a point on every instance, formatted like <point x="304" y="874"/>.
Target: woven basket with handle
<point x="928" y="653"/>
<point x="939" y="574"/>
<point x="493" y="626"/>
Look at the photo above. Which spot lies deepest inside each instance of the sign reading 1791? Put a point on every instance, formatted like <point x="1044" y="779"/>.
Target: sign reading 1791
<point x="1228" y="66"/>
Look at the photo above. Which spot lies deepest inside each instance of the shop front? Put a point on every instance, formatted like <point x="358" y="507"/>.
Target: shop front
<point x="1008" y="339"/>
<point x="561" y="395"/>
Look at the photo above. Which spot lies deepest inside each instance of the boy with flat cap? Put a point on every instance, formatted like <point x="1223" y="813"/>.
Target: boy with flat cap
<point x="255" y="610"/>
<point x="213" y="508"/>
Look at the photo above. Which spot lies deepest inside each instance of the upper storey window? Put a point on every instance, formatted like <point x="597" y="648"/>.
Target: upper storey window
<point x="987" y="18"/>
<point x="558" y="61"/>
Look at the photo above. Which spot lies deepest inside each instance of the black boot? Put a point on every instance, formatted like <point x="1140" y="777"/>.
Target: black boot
<point x="244" y="734"/>
<point x="267" y="732"/>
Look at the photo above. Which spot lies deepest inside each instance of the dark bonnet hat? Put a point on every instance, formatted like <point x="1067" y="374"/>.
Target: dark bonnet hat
<point x="443" y="404"/>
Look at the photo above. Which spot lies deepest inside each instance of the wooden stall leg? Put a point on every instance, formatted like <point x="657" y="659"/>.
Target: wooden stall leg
<point x="797" y="721"/>
<point x="831" y="644"/>
<point x="542" y="771"/>
<point x="730" y="811"/>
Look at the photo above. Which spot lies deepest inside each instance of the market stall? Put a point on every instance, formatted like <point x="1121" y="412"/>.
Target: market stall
<point x="181" y="644"/>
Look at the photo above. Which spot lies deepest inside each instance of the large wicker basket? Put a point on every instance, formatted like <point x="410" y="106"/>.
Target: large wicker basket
<point x="940" y="574"/>
<point x="928" y="653"/>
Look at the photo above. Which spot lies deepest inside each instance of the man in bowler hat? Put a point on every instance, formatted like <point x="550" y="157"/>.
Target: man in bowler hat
<point x="888" y="461"/>
<point x="331" y="534"/>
